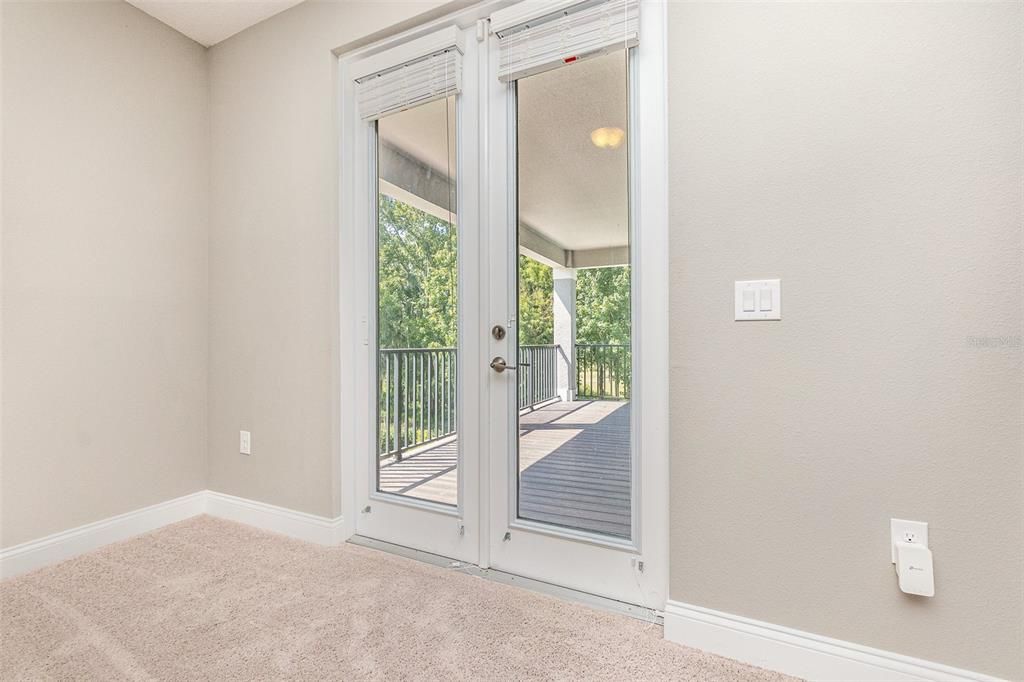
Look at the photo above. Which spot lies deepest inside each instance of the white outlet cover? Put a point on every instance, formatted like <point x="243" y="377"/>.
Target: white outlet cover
<point x="901" y="530"/>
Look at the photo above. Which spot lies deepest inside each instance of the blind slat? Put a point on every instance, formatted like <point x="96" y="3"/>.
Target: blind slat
<point x="411" y="84"/>
<point x="584" y="30"/>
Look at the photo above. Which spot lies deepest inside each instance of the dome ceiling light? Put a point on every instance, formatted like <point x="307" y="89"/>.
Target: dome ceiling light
<point x="608" y="138"/>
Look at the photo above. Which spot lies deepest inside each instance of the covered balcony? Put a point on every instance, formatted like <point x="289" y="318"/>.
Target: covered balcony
<point x="574" y="458"/>
<point x="574" y="302"/>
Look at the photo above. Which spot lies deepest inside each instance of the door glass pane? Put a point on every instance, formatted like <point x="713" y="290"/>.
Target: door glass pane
<point x="574" y="312"/>
<point x="417" y="304"/>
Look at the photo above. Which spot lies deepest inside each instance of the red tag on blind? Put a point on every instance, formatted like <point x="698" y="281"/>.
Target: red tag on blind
<point x="569" y="60"/>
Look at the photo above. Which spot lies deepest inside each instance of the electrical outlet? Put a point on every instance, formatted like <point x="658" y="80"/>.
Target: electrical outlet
<point x="900" y="530"/>
<point x="244" y="443"/>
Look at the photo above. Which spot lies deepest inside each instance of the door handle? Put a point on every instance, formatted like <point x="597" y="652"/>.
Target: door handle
<point x="499" y="365"/>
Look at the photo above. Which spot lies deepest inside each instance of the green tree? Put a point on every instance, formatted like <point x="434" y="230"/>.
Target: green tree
<point x="536" y="316"/>
<point x="417" y="278"/>
<point x="417" y="275"/>
<point x="603" y="305"/>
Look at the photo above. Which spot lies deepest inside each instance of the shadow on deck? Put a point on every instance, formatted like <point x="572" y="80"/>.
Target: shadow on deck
<point x="574" y="464"/>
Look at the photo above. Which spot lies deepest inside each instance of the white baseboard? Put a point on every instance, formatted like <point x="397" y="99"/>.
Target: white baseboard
<point x="51" y="549"/>
<point x="34" y="554"/>
<point x="798" y="653"/>
<point x="299" y="525"/>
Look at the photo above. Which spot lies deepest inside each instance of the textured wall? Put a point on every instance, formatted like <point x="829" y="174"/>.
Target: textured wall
<point x="105" y="180"/>
<point x="870" y="155"/>
<point x="273" y="251"/>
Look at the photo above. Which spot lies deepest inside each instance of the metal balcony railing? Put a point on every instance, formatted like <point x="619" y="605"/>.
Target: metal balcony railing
<point x="603" y="371"/>
<point x="418" y="397"/>
<point x="538" y="374"/>
<point x="418" y="392"/>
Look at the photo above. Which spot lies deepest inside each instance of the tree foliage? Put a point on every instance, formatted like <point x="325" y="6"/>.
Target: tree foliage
<point x="603" y="305"/>
<point x="417" y="275"/>
<point x="536" y="316"/>
<point x="417" y="278"/>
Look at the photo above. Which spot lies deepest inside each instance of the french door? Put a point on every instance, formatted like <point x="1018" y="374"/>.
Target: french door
<point x="415" y="422"/>
<point x="504" y="354"/>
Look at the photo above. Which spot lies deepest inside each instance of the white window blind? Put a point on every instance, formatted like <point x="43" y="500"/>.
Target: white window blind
<point x="537" y="36"/>
<point x="418" y="72"/>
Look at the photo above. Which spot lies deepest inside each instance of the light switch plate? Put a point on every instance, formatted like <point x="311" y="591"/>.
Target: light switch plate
<point x="244" y="443"/>
<point x="767" y="299"/>
<point x="914" y="532"/>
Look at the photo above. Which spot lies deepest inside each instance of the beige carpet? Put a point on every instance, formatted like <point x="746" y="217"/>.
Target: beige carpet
<point x="209" y="599"/>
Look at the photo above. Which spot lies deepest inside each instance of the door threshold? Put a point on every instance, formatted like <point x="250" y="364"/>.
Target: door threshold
<point x="648" y="615"/>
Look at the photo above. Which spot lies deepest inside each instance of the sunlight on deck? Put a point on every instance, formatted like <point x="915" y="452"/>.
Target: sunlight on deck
<point x="574" y="464"/>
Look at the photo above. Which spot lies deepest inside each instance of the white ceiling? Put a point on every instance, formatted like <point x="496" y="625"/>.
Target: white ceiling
<point x="572" y="192"/>
<point x="210" y="21"/>
<point x="569" y="190"/>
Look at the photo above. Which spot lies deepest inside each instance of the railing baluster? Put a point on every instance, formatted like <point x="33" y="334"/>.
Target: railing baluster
<point x="432" y="391"/>
<point x="603" y="371"/>
<point x="419" y="387"/>
<point x="406" y="392"/>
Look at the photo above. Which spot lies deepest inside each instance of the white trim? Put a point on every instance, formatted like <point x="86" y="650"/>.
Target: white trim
<point x="407" y="51"/>
<point x="794" y="652"/>
<point x="57" y="547"/>
<point x="295" y="524"/>
<point x="651" y="420"/>
<point x="52" y="549"/>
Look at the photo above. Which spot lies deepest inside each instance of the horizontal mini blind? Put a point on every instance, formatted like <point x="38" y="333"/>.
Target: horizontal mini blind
<point x="534" y="38"/>
<point x="419" y="79"/>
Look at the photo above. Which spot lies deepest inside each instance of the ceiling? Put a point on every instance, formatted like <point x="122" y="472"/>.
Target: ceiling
<point x="210" y="21"/>
<point x="570" y="191"/>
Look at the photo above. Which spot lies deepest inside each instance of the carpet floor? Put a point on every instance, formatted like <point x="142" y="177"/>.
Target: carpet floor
<point x="207" y="599"/>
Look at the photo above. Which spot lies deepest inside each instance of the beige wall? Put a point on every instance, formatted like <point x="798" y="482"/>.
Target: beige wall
<point x="105" y="179"/>
<point x="869" y="155"/>
<point x="274" y="245"/>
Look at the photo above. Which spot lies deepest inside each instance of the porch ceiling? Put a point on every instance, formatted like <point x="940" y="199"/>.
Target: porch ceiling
<point x="573" y="195"/>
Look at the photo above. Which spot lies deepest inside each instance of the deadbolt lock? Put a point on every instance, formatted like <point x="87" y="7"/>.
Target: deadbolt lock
<point x="498" y="332"/>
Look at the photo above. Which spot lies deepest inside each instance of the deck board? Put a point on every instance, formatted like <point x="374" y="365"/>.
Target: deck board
<point x="574" y="463"/>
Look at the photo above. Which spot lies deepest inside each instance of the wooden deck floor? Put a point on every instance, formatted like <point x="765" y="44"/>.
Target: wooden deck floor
<point x="574" y="467"/>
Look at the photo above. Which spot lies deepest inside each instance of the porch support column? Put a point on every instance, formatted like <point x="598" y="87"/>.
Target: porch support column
<point x="564" y="302"/>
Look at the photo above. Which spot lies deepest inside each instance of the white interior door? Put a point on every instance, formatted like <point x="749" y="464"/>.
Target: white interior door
<point x="572" y="493"/>
<point x="417" y="366"/>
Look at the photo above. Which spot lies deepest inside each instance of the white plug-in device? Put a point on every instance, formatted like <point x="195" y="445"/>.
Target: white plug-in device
<point x="914" y="568"/>
<point x="913" y="559"/>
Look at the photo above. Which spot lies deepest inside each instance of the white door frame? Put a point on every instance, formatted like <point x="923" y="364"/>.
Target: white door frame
<point x="357" y="429"/>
